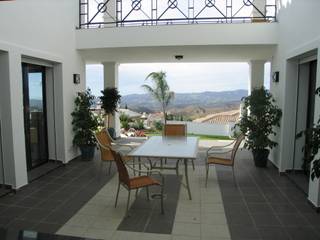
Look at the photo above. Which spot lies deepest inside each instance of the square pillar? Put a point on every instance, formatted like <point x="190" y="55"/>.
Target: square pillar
<point x="256" y="74"/>
<point x="12" y="120"/>
<point x="110" y="76"/>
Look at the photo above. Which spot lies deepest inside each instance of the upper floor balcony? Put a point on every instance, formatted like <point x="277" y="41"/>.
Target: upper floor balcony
<point x="123" y="13"/>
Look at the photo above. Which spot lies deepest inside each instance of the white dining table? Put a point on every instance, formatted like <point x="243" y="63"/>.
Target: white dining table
<point x="178" y="148"/>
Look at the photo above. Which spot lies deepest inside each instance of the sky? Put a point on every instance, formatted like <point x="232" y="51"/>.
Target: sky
<point x="181" y="77"/>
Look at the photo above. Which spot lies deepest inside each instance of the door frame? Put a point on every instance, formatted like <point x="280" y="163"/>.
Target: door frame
<point x="26" y="105"/>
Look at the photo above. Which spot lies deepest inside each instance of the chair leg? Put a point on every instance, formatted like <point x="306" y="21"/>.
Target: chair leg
<point x="128" y="202"/>
<point x="192" y="161"/>
<point x="234" y="178"/>
<point x="109" y="171"/>
<point x="165" y="161"/>
<point x="147" y="191"/>
<point x="115" y="205"/>
<point x="137" y="192"/>
<point x="101" y="169"/>
<point x="162" y="195"/>
<point x="207" y="173"/>
<point x="134" y="166"/>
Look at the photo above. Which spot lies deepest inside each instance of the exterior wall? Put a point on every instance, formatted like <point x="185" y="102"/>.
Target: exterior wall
<point x="297" y="36"/>
<point x="43" y="30"/>
<point x="207" y="128"/>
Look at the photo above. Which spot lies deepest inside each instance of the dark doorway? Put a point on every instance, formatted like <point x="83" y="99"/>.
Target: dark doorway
<point x="310" y="110"/>
<point x="305" y="107"/>
<point x="35" y="114"/>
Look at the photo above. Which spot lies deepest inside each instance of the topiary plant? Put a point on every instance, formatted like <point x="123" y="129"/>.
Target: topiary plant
<point x="109" y="102"/>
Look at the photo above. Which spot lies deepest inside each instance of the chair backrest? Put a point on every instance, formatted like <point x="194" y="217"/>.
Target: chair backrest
<point x="122" y="170"/>
<point x="104" y="145"/>
<point x="236" y="147"/>
<point x="175" y="130"/>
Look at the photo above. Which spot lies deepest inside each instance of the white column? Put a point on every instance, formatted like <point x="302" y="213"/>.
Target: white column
<point x="110" y="73"/>
<point x="110" y="13"/>
<point x="256" y="74"/>
<point x="12" y="120"/>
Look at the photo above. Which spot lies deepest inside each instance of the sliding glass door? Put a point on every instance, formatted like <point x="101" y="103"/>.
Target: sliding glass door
<point x="35" y="120"/>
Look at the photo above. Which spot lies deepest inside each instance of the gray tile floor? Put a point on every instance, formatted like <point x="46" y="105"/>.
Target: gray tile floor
<point x="261" y="205"/>
<point x="265" y="205"/>
<point x="145" y="216"/>
<point x="50" y="201"/>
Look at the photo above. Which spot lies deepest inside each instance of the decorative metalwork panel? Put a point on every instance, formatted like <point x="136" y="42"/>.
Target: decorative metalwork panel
<point x="119" y="13"/>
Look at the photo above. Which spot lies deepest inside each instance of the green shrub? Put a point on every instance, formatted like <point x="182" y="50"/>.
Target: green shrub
<point x="158" y="125"/>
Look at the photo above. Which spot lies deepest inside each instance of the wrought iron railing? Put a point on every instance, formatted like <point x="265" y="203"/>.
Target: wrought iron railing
<point x="118" y="13"/>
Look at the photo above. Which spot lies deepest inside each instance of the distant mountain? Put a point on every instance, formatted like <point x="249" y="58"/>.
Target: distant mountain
<point x="189" y="102"/>
<point x="36" y="104"/>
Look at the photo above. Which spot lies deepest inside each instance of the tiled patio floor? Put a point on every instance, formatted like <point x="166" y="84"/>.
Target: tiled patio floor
<point x="47" y="203"/>
<point x="265" y="205"/>
<point x="74" y="200"/>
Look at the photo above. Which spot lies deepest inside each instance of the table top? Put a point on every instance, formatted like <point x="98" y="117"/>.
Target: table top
<point x="168" y="147"/>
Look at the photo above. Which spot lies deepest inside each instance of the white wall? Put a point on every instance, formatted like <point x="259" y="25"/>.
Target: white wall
<point x="43" y="30"/>
<point x="298" y="35"/>
<point x="207" y="128"/>
<point x="178" y="35"/>
<point x="207" y="53"/>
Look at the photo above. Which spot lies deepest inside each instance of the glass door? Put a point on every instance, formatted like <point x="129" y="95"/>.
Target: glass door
<point x="35" y="120"/>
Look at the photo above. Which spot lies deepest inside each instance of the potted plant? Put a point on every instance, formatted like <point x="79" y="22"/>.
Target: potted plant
<point x="109" y="102"/>
<point x="84" y="124"/>
<point x="260" y="116"/>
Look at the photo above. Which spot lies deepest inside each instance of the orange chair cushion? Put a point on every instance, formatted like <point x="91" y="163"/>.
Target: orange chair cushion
<point x="142" y="181"/>
<point x="222" y="161"/>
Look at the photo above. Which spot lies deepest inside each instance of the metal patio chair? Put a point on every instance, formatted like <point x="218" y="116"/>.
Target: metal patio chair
<point x="106" y="145"/>
<point x="176" y="130"/>
<point x="135" y="183"/>
<point x="214" y="152"/>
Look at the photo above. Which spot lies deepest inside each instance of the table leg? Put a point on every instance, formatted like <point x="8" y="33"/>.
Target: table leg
<point x="139" y="161"/>
<point x="177" y="167"/>
<point x="187" y="178"/>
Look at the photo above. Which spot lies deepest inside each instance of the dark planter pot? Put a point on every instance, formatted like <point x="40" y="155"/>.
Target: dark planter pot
<point x="260" y="157"/>
<point x="87" y="152"/>
<point x="112" y="133"/>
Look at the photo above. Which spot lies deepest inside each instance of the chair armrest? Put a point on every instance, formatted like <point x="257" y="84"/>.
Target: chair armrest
<point x="123" y="145"/>
<point x="221" y="147"/>
<point x="148" y="172"/>
<point x="218" y="152"/>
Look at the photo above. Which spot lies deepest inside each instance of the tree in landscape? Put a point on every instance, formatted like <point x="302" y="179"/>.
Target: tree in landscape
<point x="159" y="90"/>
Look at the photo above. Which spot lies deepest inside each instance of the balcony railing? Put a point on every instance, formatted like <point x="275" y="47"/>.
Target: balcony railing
<point x="119" y="13"/>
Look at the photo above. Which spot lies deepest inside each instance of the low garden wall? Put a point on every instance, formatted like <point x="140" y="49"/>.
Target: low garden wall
<point x="212" y="129"/>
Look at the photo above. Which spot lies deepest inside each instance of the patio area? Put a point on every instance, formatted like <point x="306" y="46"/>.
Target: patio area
<point x="77" y="200"/>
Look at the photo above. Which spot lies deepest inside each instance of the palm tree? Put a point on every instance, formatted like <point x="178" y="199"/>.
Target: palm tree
<point x="160" y="90"/>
